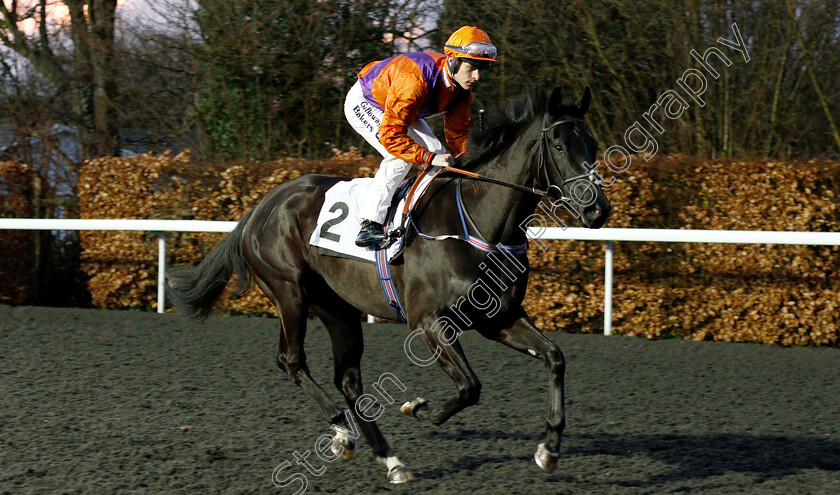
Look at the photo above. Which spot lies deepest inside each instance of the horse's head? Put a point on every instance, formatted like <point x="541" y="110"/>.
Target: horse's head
<point x="566" y="160"/>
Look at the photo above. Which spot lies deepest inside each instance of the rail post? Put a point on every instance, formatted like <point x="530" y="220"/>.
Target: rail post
<point x="161" y="300"/>
<point x="608" y="283"/>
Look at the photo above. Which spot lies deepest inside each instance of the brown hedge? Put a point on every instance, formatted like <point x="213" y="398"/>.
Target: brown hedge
<point x="16" y="246"/>
<point x="785" y="295"/>
<point x="123" y="265"/>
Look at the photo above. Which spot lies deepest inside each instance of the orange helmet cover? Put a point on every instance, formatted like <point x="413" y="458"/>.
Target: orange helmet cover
<point x="471" y="43"/>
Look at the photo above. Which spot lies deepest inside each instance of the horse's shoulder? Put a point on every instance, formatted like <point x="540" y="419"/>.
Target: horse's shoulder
<point x="441" y="189"/>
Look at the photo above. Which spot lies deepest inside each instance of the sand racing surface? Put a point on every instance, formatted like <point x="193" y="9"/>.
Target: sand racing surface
<point x="95" y="401"/>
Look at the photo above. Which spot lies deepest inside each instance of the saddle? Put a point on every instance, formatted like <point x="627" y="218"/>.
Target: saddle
<point x="338" y="220"/>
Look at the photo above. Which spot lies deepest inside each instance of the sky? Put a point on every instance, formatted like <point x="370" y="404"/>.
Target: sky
<point x="149" y="12"/>
<point x="132" y="14"/>
<point x="145" y="12"/>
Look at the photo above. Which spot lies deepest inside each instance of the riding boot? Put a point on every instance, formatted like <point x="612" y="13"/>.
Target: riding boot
<point x="372" y="233"/>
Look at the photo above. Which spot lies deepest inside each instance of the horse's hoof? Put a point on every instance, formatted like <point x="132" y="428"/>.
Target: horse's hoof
<point x="399" y="474"/>
<point x="411" y="407"/>
<point x="545" y="459"/>
<point x="343" y="445"/>
<point x="340" y="450"/>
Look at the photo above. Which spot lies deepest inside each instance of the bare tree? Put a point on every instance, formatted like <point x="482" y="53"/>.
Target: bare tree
<point x="781" y="103"/>
<point x="77" y="59"/>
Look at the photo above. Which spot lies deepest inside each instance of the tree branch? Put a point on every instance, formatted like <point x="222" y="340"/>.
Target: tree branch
<point x="810" y="68"/>
<point x="41" y="58"/>
<point x="10" y="20"/>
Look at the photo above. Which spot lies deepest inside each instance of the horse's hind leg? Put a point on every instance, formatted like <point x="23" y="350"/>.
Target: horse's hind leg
<point x="522" y="335"/>
<point x="342" y="323"/>
<point x="291" y="358"/>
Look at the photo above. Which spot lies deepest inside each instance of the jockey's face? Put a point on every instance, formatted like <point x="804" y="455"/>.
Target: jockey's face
<point x="467" y="75"/>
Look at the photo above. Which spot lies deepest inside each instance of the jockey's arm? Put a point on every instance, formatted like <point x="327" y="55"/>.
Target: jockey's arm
<point x="456" y="123"/>
<point x="406" y="95"/>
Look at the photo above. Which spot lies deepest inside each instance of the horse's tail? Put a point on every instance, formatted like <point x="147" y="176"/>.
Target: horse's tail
<point x="194" y="290"/>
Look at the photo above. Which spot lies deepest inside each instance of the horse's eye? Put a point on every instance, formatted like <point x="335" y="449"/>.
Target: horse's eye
<point x="559" y="148"/>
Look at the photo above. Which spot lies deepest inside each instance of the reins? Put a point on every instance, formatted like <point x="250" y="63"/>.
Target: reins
<point x="542" y="172"/>
<point x="541" y="169"/>
<point x="478" y="177"/>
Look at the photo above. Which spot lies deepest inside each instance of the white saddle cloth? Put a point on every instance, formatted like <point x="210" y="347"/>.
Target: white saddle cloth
<point x="339" y="224"/>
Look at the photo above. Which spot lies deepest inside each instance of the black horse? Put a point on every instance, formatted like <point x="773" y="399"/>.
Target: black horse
<point x="535" y="142"/>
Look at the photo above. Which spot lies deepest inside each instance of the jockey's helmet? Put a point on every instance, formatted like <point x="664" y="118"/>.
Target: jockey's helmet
<point x="471" y="44"/>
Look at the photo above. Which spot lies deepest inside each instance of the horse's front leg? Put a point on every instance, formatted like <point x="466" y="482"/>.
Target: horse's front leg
<point x="521" y="334"/>
<point x="450" y="356"/>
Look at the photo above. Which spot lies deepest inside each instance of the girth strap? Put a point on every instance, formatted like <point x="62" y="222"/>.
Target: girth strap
<point x="384" y="271"/>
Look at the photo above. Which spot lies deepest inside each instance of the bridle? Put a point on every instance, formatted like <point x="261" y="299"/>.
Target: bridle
<point x="478" y="241"/>
<point x="542" y="170"/>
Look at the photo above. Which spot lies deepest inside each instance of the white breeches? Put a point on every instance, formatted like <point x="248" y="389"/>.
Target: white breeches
<point x="365" y="119"/>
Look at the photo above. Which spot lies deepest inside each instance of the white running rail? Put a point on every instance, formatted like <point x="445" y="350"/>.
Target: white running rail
<point x="548" y="233"/>
<point x="675" y="235"/>
<point x="159" y="226"/>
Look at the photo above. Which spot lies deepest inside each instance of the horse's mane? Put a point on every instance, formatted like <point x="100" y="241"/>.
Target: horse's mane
<point x="503" y="125"/>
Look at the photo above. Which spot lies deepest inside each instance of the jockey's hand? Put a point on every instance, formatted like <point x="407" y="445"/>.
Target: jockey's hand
<point x="443" y="160"/>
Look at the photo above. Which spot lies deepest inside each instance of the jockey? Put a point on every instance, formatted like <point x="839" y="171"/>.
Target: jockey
<point x="388" y="106"/>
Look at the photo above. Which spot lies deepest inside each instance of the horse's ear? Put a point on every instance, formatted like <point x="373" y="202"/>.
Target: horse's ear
<point x="583" y="101"/>
<point x="556" y="101"/>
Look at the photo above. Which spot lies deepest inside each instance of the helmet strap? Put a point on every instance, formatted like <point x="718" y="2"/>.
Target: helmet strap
<point x="454" y="63"/>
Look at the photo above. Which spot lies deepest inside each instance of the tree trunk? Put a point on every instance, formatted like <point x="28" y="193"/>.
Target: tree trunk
<point x="82" y="89"/>
<point x="777" y="90"/>
<point x="104" y="88"/>
<point x="809" y="67"/>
